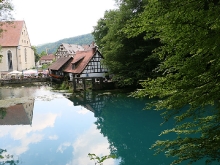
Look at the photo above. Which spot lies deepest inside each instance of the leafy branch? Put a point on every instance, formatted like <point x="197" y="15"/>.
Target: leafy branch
<point x="99" y="160"/>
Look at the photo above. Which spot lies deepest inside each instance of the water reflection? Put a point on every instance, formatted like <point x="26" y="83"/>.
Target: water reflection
<point x="64" y="131"/>
<point x="58" y="134"/>
<point x="92" y="101"/>
<point x="19" y="114"/>
<point x="7" y="159"/>
<point x="130" y="130"/>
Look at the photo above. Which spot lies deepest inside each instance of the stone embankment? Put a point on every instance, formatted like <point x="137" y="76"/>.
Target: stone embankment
<point x="24" y="80"/>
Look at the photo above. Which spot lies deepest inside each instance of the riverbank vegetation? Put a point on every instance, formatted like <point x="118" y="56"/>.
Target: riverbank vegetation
<point x="174" y="47"/>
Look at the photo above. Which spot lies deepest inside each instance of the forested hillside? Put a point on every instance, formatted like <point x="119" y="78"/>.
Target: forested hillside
<point x="79" y="40"/>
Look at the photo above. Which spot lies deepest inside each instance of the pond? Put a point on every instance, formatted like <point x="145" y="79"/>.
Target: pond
<point x="50" y="127"/>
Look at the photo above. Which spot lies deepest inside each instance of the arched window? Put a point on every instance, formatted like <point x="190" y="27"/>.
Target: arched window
<point x="25" y="54"/>
<point x="10" y="66"/>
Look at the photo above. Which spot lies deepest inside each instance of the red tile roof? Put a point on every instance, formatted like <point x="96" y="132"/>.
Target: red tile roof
<point x="48" y="57"/>
<point x="11" y="33"/>
<point x="59" y="63"/>
<point x="85" y="56"/>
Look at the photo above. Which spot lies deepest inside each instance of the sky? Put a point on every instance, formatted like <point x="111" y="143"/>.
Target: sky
<point x="52" y="20"/>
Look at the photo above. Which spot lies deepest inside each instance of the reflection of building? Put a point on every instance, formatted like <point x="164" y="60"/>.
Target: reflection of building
<point x="91" y="101"/>
<point x="20" y="114"/>
<point x="67" y="50"/>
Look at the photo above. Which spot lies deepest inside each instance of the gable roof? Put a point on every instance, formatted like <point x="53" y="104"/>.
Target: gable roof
<point x="48" y="57"/>
<point x="59" y="63"/>
<point x="90" y="46"/>
<point x="11" y="33"/>
<point x="85" y="57"/>
<point x="72" y="48"/>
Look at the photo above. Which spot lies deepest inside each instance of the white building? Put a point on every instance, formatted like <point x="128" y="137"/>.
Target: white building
<point x="15" y="47"/>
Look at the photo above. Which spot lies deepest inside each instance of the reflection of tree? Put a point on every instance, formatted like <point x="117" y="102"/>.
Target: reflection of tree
<point x="6" y="159"/>
<point x="130" y="130"/>
<point x="2" y="113"/>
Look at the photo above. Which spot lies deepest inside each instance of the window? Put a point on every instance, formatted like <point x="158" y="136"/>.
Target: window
<point x="10" y="66"/>
<point x="25" y="54"/>
<point x="73" y="66"/>
<point x="1" y="56"/>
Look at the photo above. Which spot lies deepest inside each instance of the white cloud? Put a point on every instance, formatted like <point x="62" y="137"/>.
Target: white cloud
<point x="63" y="147"/>
<point x="44" y="120"/>
<point x="54" y="137"/>
<point x="28" y="134"/>
<point x="34" y="138"/>
<point x="83" y="111"/>
<point x="90" y="142"/>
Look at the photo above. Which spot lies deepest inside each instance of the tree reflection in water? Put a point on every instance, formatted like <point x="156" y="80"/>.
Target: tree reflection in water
<point x="129" y="129"/>
<point x="2" y="113"/>
<point x="6" y="159"/>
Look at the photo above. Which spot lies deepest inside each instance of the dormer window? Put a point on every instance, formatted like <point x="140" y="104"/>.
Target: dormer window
<point x="73" y="66"/>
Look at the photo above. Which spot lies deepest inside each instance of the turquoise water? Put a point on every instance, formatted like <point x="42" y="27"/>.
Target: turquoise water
<point x="61" y="130"/>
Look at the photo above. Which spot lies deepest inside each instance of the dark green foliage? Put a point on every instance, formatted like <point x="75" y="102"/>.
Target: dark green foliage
<point x="99" y="160"/>
<point x="128" y="58"/>
<point x="189" y="31"/>
<point x="36" y="55"/>
<point x="78" y="40"/>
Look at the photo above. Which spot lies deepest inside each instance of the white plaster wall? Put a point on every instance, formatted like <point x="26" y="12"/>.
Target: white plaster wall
<point x="4" y="62"/>
<point x="93" y="75"/>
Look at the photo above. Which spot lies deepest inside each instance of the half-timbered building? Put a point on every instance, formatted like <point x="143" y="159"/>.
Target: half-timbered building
<point x="56" y="69"/>
<point x="84" y="63"/>
<point x="67" y="50"/>
<point x="87" y="64"/>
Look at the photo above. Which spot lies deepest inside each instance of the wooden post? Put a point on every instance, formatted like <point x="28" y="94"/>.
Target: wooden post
<point x="74" y="84"/>
<point x="101" y="82"/>
<point x="84" y="84"/>
<point x="93" y="83"/>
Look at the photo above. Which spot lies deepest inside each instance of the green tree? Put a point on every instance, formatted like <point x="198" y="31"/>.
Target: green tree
<point x="128" y="58"/>
<point x="36" y="55"/>
<point x="43" y="53"/>
<point x="6" y="8"/>
<point x="189" y="32"/>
